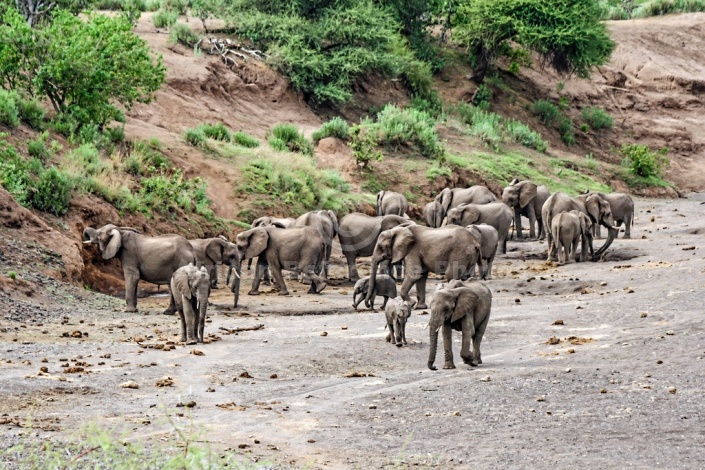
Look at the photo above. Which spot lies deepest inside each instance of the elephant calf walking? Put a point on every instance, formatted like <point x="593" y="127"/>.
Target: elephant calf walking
<point x="397" y="312"/>
<point x="384" y="287"/>
<point x="190" y="288"/>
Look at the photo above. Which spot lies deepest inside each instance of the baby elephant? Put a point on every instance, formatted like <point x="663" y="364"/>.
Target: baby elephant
<point x="385" y="287"/>
<point x="567" y="230"/>
<point x="397" y="311"/>
<point x="190" y="288"/>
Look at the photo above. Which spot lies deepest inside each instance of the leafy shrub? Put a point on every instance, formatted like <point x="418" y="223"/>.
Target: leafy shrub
<point x="9" y="114"/>
<point x="408" y="126"/>
<point x="85" y="160"/>
<point x="244" y="139"/>
<point x="14" y="172"/>
<point x="364" y="145"/>
<point x="134" y="166"/>
<point x="487" y="126"/>
<point x="291" y="138"/>
<point x="152" y="5"/>
<point x="164" y="18"/>
<point x="429" y="104"/>
<point x="482" y="97"/>
<point x="164" y="192"/>
<point x="216" y="131"/>
<point x="52" y="192"/>
<point x="12" y="275"/>
<point x="112" y="5"/>
<point x="436" y="171"/>
<point x="546" y="111"/>
<point x="523" y="135"/>
<point x="115" y="134"/>
<point x="31" y="112"/>
<point x="641" y="161"/>
<point x="665" y="7"/>
<point x="37" y="148"/>
<point x="181" y="33"/>
<point x="597" y="118"/>
<point x="195" y="137"/>
<point x="179" y="6"/>
<point x="336" y="127"/>
<point x="565" y="128"/>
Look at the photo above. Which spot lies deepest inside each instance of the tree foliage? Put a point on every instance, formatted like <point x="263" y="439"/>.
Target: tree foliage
<point x="84" y="66"/>
<point x="567" y="34"/>
<point x="323" y="46"/>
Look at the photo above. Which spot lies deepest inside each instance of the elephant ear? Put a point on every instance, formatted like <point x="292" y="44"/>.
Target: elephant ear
<point x="585" y="223"/>
<point x="469" y="214"/>
<point x="527" y="193"/>
<point x="334" y="220"/>
<point x="256" y="242"/>
<point x="592" y="204"/>
<point x="214" y="250"/>
<point x="380" y="196"/>
<point x="402" y="243"/>
<point x="90" y="235"/>
<point x="446" y="199"/>
<point x="465" y="303"/>
<point x="180" y="283"/>
<point x="113" y="245"/>
<point x="514" y="181"/>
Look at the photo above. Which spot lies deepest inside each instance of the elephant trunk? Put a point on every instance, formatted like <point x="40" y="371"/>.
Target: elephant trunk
<point x="373" y="280"/>
<point x="236" y="283"/>
<point x="610" y="238"/>
<point x="433" y="336"/>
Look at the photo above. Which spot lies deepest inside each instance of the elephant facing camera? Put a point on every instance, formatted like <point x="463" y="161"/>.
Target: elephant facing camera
<point x="190" y="289"/>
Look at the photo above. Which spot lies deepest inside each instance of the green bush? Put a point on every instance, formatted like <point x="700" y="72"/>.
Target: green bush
<point x="85" y="160"/>
<point x="336" y="127"/>
<point x="195" y="137"/>
<point x="288" y="137"/>
<point x="665" y="7"/>
<point x="482" y="97"/>
<point x="244" y="139"/>
<point x="409" y="127"/>
<point x="364" y="145"/>
<point x="31" y="112"/>
<point x="112" y="5"/>
<point x="152" y="5"/>
<point x="597" y="118"/>
<point x="164" y="18"/>
<point x="179" y="6"/>
<point x="181" y="33"/>
<point x="14" y="172"/>
<point x="64" y="124"/>
<point x="133" y="165"/>
<point x="115" y="134"/>
<point x="487" y="126"/>
<point x="37" y="148"/>
<point x="565" y="128"/>
<point x="523" y="135"/>
<point x="642" y="161"/>
<point x="546" y="111"/>
<point x="216" y="131"/>
<point x="52" y="192"/>
<point x="9" y="114"/>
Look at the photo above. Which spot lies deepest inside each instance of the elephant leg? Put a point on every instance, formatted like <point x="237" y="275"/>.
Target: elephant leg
<point x="560" y="252"/>
<point x="230" y="273"/>
<point x="279" y="279"/>
<point x="448" y="346"/>
<point x="618" y="223"/>
<point x="542" y="232"/>
<point x="397" y="268"/>
<point x="468" y="333"/>
<point x="326" y="265"/>
<point x="318" y="283"/>
<point x="190" y="317"/>
<point x="183" y="324"/>
<point x="397" y="333"/>
<point x="403" y="334"/>
<point x="202" y="308"/>
<point x="261" y="266"/>
<point x="353" y="275"/>
<point x="488" y="269"/>
<point x="517" y="223"/>
<point x="477" y="339"/>
<point x="552" y="248"/>
<point x="628" y="226"/>
<point x="482" y="267"/>
<point x="421" y="292"/>
<point x="213" y="274"/>
<point x="384" y="304"/>
<point x="390" y="335"/>
<point x="131" y="280"/>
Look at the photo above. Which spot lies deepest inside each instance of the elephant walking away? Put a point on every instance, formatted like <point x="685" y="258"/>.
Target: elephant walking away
<point x="391" y="203"/>
<point x="298" y="249"/>
<point x="433" y="214"/>
<point x="384" y="287"/>
<point x="397" y="312"/>
<point x="358" y="235"/>
<point x="476" y="194"/>
<point x="567" y="230"/>
<point x="593" y="205"/>
<point x="190" y="288"/>
<point x="622" y="207"/>
<point x="151" y="259"/>
<point x="450" y="251"/>
<point x="326" y="222"/>
<point x="488" y="239"/>
<point x="496" y="214"/>
<point x="466" y="309"/>
<point x="527" y="199"/>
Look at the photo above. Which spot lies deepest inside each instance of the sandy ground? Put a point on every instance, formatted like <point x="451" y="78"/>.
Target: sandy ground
<point x="623" y="388"/>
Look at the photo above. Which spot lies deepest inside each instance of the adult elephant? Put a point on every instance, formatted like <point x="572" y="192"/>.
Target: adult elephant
<point x="326" y="223"/>
<point x="496" y="214"/>
<point x="358" y="235"/>
<point x="622" y="207"/>
<point x="151" y="259"/>
<point x="222" y="251"/>
<point x="433" y="214"/>
<point x="282" y="222"/>
<point x="466" y="309"/>
<point x="391" y="203"/>
<point x="476" y="194"/>
<point x="298" y="249"/>
<point x="593" y="205"/>
<point x="527" y="199"/>
<point x="447" y="250"/>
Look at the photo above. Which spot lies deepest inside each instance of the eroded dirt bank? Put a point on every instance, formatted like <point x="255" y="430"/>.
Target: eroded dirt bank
<point x="623" y="387"/>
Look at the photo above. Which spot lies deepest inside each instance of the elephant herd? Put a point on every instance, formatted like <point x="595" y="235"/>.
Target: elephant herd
<point x="465" y="227"/>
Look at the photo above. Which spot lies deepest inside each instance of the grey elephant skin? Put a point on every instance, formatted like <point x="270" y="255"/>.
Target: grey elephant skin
<point x="384" y="287"/>
<point x="433" y="214"/>
<point x="496" y="214"/>
<point x="358" y="235"/>
<point x="151" y="259"/>
<point x="299" y="249"/>
<point x="397" y="312"/>
<point x="221" y="252"/>
<point x="567" y="230"/>
<point x="466" y="309"/>
<point x="526" y="199"/>
<point x="450" y="251"/>
<point x="391" y="203"/>
<point x="488" y="239"/>
<point x="592" y="205"/>
<point x="622" y="207"/>
<point x="286" y="222"/>
<point x="190" y="288"/>
<point x="326" y="222"/>
<point x="476" y="194"/>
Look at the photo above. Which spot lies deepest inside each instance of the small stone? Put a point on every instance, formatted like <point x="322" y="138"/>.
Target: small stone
<point x="76" y="334"/>
<point x="138" y="339"/>
<point x="129" y="384"/>
<point x="44" y="359"/>
<point x="578" y="307"/>
<point x="603" y="390"/>
<point x="659" y="361"/>
<point x="688" y="248"/>
<point x="210" y="390"/>
<point x="343" y="292"/>
<point x="669" y="332"/>
<point x="273" y="376"/>
<point x="517" y="300"/>
<point x="344" y="327"/>
<point x="311" y="441"/>
<point x="557" y="322"/>
<point x="27" y="362"/>
<point x="568" y="369"/>
<point x="603" y="283"/>
<point x="373" y="407"/>
<point x="553" y="340"/>
<point x="570" y="351"/>
<point x="243" y="446"/>
<point x="672" y="390"/>
<point x="188" y="404"/>
<point x="256" y="441"/>
<point x="197" y="352"/>
<point x="324" y="333"/>
<point x="630" y="290"/>
<point x="44" y="369"/>
<point x="246" y="375"/>
<point x="456" y="413"/>
<point x="165" y="381"/>
<point x="643" y="315"/>
<point x="541" y="398"/>
<point x="486" y="379"/>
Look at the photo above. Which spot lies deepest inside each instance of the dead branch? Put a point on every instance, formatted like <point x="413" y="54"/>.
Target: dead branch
<point x="243" y="328"/>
